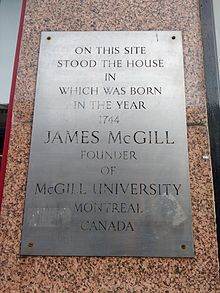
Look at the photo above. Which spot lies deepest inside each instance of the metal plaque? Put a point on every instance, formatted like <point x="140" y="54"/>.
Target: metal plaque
<point x="108" y="170"/>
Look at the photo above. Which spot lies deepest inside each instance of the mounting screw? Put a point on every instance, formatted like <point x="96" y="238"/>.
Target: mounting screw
<point x="173" y="37"/>
<point x="48" y="38"/>
<point x="30" y="245"/>
<point x="183" y="246"/>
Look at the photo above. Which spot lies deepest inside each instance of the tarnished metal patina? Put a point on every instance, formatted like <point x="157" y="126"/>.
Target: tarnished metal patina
<point x="108" y="170"/>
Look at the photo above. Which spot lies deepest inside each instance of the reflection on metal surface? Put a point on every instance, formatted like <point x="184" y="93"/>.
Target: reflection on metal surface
<point x="216" y="8"/>
<point x="3" y="118"/>
<point x="108" y="170"/>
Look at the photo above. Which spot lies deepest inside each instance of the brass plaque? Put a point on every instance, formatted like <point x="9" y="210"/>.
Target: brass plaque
<point x="108" y="170"/>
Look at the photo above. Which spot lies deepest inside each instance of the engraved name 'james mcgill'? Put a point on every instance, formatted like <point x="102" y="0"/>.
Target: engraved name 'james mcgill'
<point x="93" y="137"/>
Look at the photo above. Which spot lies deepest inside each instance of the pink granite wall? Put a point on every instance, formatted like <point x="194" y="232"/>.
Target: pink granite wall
<point x="110" y="274"/>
